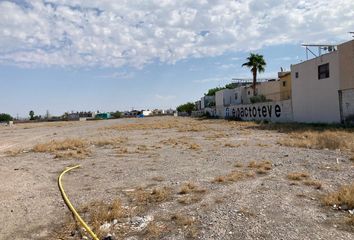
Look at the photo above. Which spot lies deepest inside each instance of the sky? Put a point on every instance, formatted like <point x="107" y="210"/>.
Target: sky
<point x="108" y="55"/>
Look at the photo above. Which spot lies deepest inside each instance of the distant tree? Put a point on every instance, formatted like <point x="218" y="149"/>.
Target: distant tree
<point x="231" y="85"/>
<point x="212" y="91"/>
<point x="4" y="117"/>
<point x="256" y="63"/>
<point x="187" y="107"/>
<point x="116" y="114"/>
<point x="31" y="113"/>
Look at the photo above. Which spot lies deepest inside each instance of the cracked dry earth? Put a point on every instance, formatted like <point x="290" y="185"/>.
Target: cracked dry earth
<point x="229" y="193"/>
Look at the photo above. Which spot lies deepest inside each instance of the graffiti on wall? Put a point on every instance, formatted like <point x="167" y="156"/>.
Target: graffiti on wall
<point x="254" y="111"/>
<point x="279" y="111"/>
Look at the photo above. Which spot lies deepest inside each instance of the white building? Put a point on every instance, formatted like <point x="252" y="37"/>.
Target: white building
<point x="207" y="102"/>
<point x="147" y="112"/>
<point x="323" y="87"/>
<point x="223" y="98"/>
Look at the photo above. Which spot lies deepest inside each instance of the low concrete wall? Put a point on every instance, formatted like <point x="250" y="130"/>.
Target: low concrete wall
<point x="206" y="111"/>
<point x="280" y="111"/>
<point x="347" y="105"/>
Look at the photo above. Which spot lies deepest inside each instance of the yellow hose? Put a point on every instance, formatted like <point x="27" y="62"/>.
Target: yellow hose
<point x="70" y="206"/>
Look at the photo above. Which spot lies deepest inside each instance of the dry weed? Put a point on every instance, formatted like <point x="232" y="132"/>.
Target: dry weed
<point x="320" y="140"/>
<point x="14" y="152"/>
<point x="238" y="165"/>
<point x="298" y="176"/>
<point x="216" y="135"/>
<point x="145" y="197"/>
<point x="189" y="224"/>
<point x="114" y="142"/>
<point x="261" y="167"/>
<point x="158" y="178"/>
<point x="194" y="146"/>
<point x="182" y="142"/>
<point x="190" y="188"/>
<point x="154" y="231"/>
<point x="344" y="196"/>
<point x="234" y="176"/>
<point x="192" y="128"/>
<point x="75" y="148"/>
<point x="98" y="213"/>
<point x="231" y="145"/>
<point x="311" y="182"/>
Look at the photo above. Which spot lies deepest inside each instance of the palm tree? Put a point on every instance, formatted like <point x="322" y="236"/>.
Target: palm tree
<point x="256" y="63"/>
<point x="31" y="113"/>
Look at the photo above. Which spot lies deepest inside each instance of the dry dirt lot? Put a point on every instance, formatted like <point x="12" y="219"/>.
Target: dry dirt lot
<point x="177" y="178"/>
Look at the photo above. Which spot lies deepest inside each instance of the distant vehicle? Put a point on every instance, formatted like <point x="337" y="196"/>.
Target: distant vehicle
<point x="140" y="116"/>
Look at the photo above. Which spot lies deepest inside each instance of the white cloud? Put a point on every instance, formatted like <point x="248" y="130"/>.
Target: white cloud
<point x="117" y="75"/>
<point x="164" y="97"/>
<point x="110" y="33"/>
<point x="213" y="79"/>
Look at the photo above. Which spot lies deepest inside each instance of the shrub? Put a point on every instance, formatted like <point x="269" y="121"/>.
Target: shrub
<point x="187" y="107"/>
<point x="5" y="117"/>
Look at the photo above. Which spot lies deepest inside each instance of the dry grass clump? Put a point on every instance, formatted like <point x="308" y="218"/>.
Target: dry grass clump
<point x="76" y="148"/>
<point x="238" y="165"/>
<point x="170" y="141"/>
<point x="192" y="193"/>
<point x="142" y="148"/>
<point x="216" y="135"/>
<point x="97" y="213"/>
<point x="181" y="124"/>
<point x="158" y="178"/>
<point x="261" y="167"/>
<point x="122" y="150"/>
<point x="79" y="154"/>
<point x="298" y="176"/>
<point x="189" y="225"/>
<point x="194" y="146"/>
<point x="320" y="140"/>
<point x="311" y="182"/>
<point x="234" y="176"/>
<point x="344" y="196"/>
<point x="190" y="188"/>
<point x="14" y="152"/>
<point x="67" y="144"/>
<point x="115" y="142"/>
<point x="154" y="231"/>
<point x="192" y="128"/>
<point x="182" y="142"/>
<point x="305" y="179"/>
<point x="231" y="145"/>
<point x="145" y="196"/>
<point x="158" y="124"/>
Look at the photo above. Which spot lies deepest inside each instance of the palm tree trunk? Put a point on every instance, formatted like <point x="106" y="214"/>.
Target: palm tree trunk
<point x="254" y="82"/>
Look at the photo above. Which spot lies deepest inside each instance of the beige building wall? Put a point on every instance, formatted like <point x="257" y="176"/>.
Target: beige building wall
<point x="313" y="99"/>
<point x="285" y="85"/>
<point x="346" y="65"/>
<point x="271" y="90"/>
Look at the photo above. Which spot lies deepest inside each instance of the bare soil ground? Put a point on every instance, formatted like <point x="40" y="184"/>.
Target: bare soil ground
<point x="175" y="178"/>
